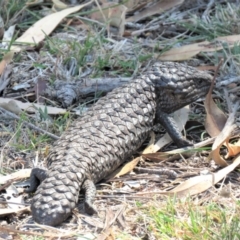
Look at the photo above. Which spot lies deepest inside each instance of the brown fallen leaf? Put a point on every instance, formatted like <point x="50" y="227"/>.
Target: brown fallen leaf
<point x="7" y="37"/>
<point x="21" y="174"/>
<point x="6" y="211"/>
<point x="35" y="48"/>
<point x="215" y="118"/>
<point x="58" y="5"/>
<point x="7" y="58"/>
<point x="33" y="107"/>
<point x="39" y="89"/>
<point x="44" y="27"/>
<point x="233" y="149"/>
<point x="131" y="4"/>
<point x="31" y="3"/>
<point x="36" y="33"/>
<point x="217" y="124"/>
<point x="207" y="68"/>
<point x="111" y="14"/>
<point x="156" y="156"/>
<point x="201" y="183"/>
<point x="11" y="106"/>
<point x="197" y="184"/>
<point x="128" y="167"/>
<point x="5" y="77"/>
<point x="189" y="51"/>
<point x="49" y="233"/>
<point x="223" y="137"/>
<point x="159" y="7"/>
<point x="93" y="221"/>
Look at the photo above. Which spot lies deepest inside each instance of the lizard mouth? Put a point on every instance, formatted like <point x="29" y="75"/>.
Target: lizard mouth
<point x="194" y="95"/>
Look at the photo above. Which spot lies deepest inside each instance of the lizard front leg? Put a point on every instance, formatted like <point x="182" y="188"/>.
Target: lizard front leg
<point x="172" y="129"/>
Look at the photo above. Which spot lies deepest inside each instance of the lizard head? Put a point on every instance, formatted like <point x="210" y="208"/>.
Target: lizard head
<point x="178" y="85"/>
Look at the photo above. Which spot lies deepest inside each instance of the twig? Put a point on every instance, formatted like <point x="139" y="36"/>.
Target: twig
<point x="133" y="25"/>
<point x="117" y="196"/>
<point x="7" y="184"/>
<point x="229" y="81"/>
<point x="138" y="32"/>
<point x="217" y="69"/>
<point x="91" y="20"/>
<point x="231" y="108"/>
<point x="7" y="202"/>
<point x="49" y="234"/>
<point x="164" y="171"/>
<point x="206" y="12"/>
<point x="29" y="124"/>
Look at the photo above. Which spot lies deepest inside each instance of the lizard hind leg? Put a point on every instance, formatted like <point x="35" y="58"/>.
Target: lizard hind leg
<point x="90" y="192"/>
<point x="36" y="177"/>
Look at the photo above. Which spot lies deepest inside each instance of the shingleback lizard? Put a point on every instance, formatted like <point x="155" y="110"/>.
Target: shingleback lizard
<point x="108" y="134"/>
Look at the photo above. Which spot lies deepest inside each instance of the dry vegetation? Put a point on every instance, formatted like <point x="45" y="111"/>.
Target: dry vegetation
<point x="57" y="71"/>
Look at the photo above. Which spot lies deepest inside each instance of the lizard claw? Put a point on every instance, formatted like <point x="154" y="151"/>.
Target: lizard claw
<point x="181" y="143"/>
<point x="89" y="208"/>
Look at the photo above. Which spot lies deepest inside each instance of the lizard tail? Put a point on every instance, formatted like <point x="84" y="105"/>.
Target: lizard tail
<point x="56" y="197"/>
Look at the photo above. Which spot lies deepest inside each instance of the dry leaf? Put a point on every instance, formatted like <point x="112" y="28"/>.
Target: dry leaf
<point x="128" y="167"/>
<point x="58" y="5"/>
<point x="5" y="77"/>
<point x="115" y="16"/>
<point x="7" y="37"/>
<point x="207" y="68"/>
<point x="92" y="222"/>
<point x="12" y="198"/>
<point x="31" y="3"/>
<point x="215" y="118"/>
<point x="159" y="7"/>
<point x="224" y="136"/>
<point x="131" y="4"/>
<point x="11" y="106"/>
<point x="197" y="184"/>
<point x="160" y="156"/>
<point x="6" y="211"/>
<point x="233" y="149"/>
<point x="201" y="183"/>
<point x="39" y="89"/>
<point x="188" y="51"/>
<point x="38" y="32"/>
<point x="44" y="27"/>
<point x="33" y="107"/>
<point x="21" y="174"/>
<point x="156" y="156"/>
<point x="5" y="61"/>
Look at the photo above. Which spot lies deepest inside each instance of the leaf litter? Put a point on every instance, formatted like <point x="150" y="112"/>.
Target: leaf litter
<point x="187" y="161"/>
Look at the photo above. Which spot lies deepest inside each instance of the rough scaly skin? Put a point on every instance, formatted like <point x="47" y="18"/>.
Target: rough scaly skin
<point x="108" y="134"/>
